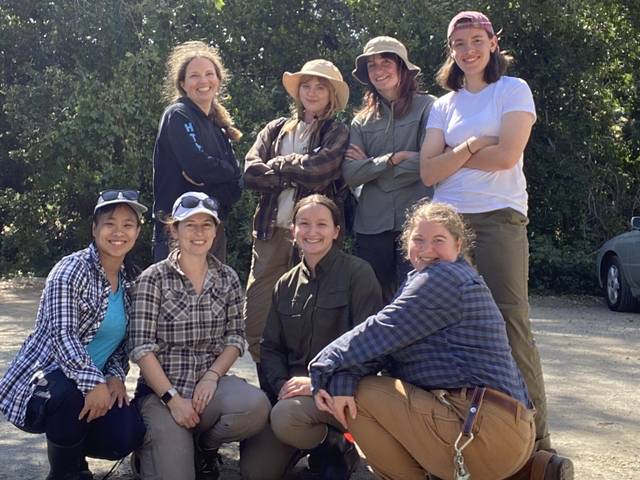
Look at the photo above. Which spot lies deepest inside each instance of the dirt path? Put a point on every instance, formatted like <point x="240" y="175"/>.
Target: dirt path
<point x="591" y="360"/>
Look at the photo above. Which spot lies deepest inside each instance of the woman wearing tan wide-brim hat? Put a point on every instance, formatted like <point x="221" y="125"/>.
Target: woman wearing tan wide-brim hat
<point x="291" y="158"/>
<point x="383" y="155"/>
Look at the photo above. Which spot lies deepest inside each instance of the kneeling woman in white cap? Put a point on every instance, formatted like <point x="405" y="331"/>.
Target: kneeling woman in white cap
<point x="67" y="380"/>
<point x="186" y="332"/>
<point x="290" y="159"/>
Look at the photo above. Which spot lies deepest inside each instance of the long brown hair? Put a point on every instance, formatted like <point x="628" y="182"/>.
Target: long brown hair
<point x="177" y="64"/>
<point x="407" y="87"/>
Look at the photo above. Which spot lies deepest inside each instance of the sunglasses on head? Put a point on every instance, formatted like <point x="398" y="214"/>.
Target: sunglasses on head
<point x="116" y="194"/>
<point x="192" y="202"/>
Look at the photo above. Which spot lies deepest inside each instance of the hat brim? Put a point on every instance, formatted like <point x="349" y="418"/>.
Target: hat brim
<point x="291" y="83"/>
<point x="361" y="74"/>
<point x="136" y="206"/>
<point x="190" y="212"/>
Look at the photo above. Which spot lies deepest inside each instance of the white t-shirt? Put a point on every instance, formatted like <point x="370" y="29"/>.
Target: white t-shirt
<point x="463" y="114"/>
<point x="296" y="141"/>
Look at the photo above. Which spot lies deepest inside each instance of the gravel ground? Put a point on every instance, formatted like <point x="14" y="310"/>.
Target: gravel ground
<point x="591" y="360"/>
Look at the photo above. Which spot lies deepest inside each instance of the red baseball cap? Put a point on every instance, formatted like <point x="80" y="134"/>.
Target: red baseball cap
<point x="470" y="19"/>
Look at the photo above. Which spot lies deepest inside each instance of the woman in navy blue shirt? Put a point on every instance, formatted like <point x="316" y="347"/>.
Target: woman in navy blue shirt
<point x="193" y="148"/>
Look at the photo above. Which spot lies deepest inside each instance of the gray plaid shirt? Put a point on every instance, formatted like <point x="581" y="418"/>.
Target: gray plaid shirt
<point x="185" y="330"/>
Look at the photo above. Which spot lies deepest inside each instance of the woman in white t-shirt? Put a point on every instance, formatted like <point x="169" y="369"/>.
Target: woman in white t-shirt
<point x="473" y="155"/>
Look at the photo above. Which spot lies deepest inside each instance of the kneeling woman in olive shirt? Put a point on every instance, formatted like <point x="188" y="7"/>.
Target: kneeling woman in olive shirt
<point x="325" y="295"/>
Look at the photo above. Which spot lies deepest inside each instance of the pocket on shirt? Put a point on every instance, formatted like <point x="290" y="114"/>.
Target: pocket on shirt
<point x="332" y="309"/>
<point x="175" y="306"/>
<point x="175" y="322"/>
<point x="293" y="324"/>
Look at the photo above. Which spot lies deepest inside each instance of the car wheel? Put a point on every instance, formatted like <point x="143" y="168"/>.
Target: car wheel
<point x="618" y="293"/>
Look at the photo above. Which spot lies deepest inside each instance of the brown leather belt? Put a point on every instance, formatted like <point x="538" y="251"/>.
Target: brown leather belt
<point x="499" y="399"/>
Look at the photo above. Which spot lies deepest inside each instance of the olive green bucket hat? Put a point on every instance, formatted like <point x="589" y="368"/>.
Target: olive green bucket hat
<point x="379" y="45"/>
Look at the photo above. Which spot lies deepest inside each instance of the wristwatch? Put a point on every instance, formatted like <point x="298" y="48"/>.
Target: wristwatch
<point x="168" y="395"/>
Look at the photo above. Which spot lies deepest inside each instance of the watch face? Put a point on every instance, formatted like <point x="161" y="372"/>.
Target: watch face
<point x="168" y="395"/>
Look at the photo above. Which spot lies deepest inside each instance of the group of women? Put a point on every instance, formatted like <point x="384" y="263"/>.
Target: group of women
<point x="461" y="388"/>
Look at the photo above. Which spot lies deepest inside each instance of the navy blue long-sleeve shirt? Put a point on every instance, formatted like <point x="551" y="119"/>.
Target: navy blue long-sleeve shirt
<point x="443" y="331"/>
<point x="193" y="154"/>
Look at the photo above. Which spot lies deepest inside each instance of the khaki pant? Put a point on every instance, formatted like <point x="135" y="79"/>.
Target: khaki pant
<point x="296" y="424"/>
<point x="405" y="432"/>
<point x="237" y="411"/>
<point x="270" y="260"/>
<point x="501" y="254"/>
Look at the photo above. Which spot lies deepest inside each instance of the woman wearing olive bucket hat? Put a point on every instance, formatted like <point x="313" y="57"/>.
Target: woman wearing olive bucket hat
<point x="290" y="159"/>
<point x="383" y="155"/>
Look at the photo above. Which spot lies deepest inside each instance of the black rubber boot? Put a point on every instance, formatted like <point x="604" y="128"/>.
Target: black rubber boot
<point x="337" y="456"/>
<point x="83" y="470"/>
<point x="206" y="462"/>
<point x="64" y="461"/>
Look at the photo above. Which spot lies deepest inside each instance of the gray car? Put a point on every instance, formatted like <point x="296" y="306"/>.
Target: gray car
<point x="618" y="268"/>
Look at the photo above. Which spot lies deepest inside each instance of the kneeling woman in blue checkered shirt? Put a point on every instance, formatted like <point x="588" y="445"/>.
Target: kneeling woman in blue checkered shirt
<point x="450" y="380"/>
<point x="67" y="381"/>
<point x="186" y="332"/>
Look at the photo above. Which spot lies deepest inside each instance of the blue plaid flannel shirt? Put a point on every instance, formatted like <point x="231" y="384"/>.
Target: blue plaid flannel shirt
<point x="72" y="307"/>
<point x="442" y="331"/>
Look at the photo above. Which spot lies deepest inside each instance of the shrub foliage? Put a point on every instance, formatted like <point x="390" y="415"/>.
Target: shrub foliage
<point x="80" y="101"/>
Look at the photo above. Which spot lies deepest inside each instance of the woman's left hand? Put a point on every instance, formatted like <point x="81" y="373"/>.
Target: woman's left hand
<point x="118" y="392"/>
<point x="294" y="387"/>
<point x="354" y="152"/>
<point x="203" y="393"/>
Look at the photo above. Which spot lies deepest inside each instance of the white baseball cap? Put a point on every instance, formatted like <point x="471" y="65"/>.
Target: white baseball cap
<point x="124" y="195"/>
<point x="190" y="203"/>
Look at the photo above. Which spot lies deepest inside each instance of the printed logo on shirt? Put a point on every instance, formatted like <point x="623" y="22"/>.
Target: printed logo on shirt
<point x="192" y="133"/>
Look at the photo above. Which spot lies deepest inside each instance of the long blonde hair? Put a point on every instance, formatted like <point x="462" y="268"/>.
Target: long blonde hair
<point x="177" y="63"/>
<point x="297" y="109"/>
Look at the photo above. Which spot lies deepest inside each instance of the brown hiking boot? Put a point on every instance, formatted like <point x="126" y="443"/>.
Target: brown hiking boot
<point x="544" y="465"/>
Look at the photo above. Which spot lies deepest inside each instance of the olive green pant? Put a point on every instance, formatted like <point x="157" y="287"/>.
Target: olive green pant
<point x="270" y="260"/>
<point x="501" y="255"/>
<point x="295" y="425"/>
<point x="405" y="432"/>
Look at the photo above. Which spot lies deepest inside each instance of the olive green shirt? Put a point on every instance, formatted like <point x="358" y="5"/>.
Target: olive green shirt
<point x="310" y="311"/>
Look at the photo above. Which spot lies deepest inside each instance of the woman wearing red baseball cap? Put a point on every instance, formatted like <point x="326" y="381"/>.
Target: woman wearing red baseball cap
<point x="473" y="156"/>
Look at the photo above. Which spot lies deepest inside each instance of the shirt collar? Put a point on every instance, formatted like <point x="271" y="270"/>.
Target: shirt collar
<point x="94" y="260"/>
<point x="212" y="272"/>
<point x="325" y="263"/>
<point x="192" y="105"/>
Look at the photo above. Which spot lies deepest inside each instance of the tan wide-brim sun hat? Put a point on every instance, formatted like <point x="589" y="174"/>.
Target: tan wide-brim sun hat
<point x="379" y="45"/>
<point x="318" y="68"/>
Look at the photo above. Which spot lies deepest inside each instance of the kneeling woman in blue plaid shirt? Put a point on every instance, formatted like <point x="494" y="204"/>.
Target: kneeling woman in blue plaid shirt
<point x="186" y="332"/>
<point x="440" y="341"/>
<point x="67" y="381"/>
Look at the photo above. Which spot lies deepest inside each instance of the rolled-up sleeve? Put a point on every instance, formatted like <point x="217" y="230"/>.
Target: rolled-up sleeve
<point x="147" y="298"/>
<point x="234" y="329"/>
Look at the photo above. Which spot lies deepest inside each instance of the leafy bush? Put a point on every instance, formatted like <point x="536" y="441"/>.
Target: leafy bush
<point x="80" y="102"/>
